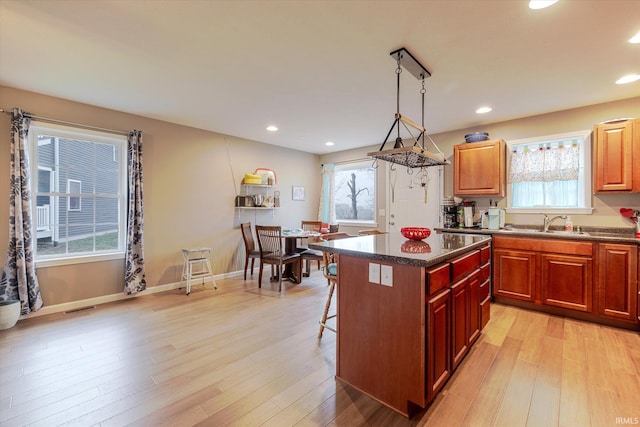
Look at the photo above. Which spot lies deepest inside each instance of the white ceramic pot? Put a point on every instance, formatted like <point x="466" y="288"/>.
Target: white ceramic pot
<point x="9" y="313"/>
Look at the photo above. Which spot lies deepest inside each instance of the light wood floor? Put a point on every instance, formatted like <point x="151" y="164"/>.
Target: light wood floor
<point x="247" y="356"/>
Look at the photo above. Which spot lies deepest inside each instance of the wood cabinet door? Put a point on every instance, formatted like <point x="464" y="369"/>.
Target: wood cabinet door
<point x="613" y="159"/>
<point x="617" y="281"/>
<point x="460" y="300"/>
<point x="479" y="168"/>
<point x="514" y="274"/>
<point x="438" y="342"/>
<point x="474" y="307"/>
<point x="567" y="281"/>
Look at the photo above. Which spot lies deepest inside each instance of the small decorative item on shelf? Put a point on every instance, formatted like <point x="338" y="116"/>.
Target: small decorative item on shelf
<point x="415" y="247"/>
<point x="415" y="233"/>
<point x="276" y="199"/>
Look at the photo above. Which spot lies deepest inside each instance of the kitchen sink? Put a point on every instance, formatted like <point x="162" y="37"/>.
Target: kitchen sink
<point x="567" y="233"/>
<point x="531" y="230"/>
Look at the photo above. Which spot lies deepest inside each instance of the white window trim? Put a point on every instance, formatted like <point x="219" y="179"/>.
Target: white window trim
<point x="587" y="193"/>
<point x="80" y="134"/>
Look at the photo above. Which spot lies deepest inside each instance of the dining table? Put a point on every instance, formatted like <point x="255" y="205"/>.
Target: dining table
<point x="291" y="238"/>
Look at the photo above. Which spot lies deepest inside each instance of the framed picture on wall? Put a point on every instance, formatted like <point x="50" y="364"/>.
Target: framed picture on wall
<point x="297" y="193"/>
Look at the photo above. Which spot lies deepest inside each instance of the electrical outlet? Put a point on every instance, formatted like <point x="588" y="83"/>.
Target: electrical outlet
<point x="374" y="273"/>
<point x="386" y="275"/>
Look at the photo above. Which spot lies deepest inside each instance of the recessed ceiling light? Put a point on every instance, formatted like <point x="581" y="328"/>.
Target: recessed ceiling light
<point x="329" y="143"/>
<point x="628" y="79"/>
<point x="541" y="4"/>
<point x="483" y="110"/>
<point x="272" y="128"/>
<point x="635" y="39"/>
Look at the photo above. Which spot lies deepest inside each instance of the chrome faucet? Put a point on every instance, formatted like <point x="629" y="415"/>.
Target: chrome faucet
<point x="548" y="221"/>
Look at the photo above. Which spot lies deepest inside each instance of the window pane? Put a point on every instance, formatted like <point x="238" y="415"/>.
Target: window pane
<point x="355" y="194"/>
<point x="79" y="192"/>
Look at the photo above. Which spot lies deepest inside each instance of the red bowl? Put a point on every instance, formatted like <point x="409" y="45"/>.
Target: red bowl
<point x="415" y="233"/>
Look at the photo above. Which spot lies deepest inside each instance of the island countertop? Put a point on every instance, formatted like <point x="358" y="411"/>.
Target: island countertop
<point x="394" y="248"/>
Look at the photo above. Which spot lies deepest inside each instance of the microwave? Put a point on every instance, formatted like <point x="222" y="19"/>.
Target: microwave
<point x="244" y="202"/>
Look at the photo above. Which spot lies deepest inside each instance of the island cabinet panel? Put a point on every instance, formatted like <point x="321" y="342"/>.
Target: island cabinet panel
<point x="381" y="333"/>
<point x="514" y="274"/>
<point x="474" y="308"/>
<point x="439" y="342"/>
<point x="567" y="281"/>
<point x="617" y="281"/>
<point x="460" y="301"/>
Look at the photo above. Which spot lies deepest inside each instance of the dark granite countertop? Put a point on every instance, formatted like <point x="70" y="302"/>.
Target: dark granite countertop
<point x="596" y="234"/>
<point x="394" y="248"/>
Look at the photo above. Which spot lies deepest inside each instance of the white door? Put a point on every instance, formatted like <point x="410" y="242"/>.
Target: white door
<point x="414" y="197"/>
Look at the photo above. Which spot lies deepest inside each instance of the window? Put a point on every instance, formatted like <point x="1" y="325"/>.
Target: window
<point x="74" y="188"/>
<point x="550" y="174"/>
<point x="355" y="193"/>
<point x="80" y="194"/>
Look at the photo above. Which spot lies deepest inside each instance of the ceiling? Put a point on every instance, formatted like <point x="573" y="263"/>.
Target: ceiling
<point x="320" y="70"/>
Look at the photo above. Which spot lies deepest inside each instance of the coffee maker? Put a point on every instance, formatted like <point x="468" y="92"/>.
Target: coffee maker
<point x="449" y="213"/>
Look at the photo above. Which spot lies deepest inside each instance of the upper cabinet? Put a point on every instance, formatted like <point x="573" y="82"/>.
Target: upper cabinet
<point x="479" y="168"/>
<point x="616" y="160"/>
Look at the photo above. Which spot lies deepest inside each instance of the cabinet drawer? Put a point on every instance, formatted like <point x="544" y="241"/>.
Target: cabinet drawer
<point x="485" y="271"/>
<point x="438" y="278"/>
<point x="484" y="289"/>
<point x="485" y="254"/>
<point x="464" y="265"/>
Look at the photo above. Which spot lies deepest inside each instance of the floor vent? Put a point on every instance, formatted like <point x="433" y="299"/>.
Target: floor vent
<point x="91" y="307"/>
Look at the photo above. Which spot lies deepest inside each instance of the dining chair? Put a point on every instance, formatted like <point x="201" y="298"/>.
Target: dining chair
<point x="330" y="272"/>
<point x="250" y="249"/>
<point x="309" y="255"/>
<point x="271" y="252"/>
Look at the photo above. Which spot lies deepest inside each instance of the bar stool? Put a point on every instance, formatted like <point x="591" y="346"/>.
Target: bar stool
<point x="196" y="265"/>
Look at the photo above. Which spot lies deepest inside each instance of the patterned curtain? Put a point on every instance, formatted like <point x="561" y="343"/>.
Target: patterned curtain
<point x="327" y="211"/>
<point x="546" y="163"/>
<point x="135" y="280"/>
<point x="19" y="281"/>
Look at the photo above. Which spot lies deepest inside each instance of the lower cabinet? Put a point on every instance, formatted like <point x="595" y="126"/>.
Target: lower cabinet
<point x="455" y="315"/>
<point x="465" y="316"/>
<point x="617" y="281"/>
<point x="590" y="280"/>
<point x="567" y="281"/>
<point x="439" y="342"/>
<point x="460" y="318"/>
<point x="514" y="274"/>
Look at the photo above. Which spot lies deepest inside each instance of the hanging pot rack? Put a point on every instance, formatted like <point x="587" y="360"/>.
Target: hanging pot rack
<point x="415" y="156"/>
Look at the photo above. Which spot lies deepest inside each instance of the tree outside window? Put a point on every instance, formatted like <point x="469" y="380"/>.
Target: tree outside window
<point x="355" y="192"/>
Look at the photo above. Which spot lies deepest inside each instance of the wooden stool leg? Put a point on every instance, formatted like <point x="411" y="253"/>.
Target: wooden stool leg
<point x="327" y="305"/>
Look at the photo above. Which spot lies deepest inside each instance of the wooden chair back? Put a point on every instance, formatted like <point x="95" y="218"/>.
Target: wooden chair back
<point x="247" y="236"/>
<point x="269" y="240"/>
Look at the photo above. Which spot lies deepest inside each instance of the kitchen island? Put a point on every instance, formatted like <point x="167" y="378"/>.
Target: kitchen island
<point x="408" y="312"/>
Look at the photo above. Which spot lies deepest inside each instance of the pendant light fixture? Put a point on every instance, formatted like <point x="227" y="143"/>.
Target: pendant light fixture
<point x="414" y="156"/>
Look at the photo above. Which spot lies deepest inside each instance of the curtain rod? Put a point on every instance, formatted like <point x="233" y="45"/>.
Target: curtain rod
<point x="62" y="122"/>
<point x="343" y="162"/>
